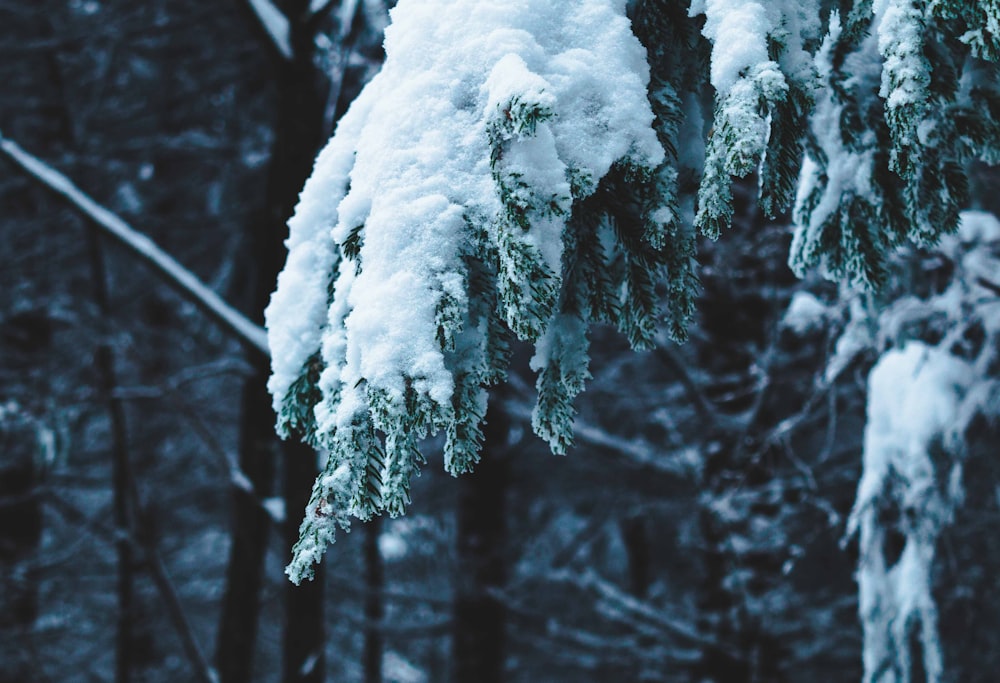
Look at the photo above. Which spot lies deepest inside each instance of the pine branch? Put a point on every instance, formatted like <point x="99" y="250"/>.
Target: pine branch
<point x="176" y="275"/>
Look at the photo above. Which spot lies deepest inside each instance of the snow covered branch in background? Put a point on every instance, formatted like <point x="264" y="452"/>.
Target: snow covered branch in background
<point x="914" y="397"/>
<point x="982" y="23"/>
<point x="923" y="395"/>
<point x="176" y="275"/>
<point x="434" y="231"/>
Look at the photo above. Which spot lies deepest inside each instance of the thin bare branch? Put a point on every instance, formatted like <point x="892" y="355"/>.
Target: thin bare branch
<point x="179" y="277"/>
<point x="205" y="672"/>
<point x="701" y="404"/>
<point x="276" y="25"/>
<point x="638" y="608"/>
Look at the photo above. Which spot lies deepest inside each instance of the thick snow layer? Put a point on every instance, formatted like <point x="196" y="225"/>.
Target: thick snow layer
<point x="738" y="30"/>
<point x="297" y="312"/>
<point x="906" y="72"/>
<point x="461" y="157"/>
<point x="409" y="167"/>
<point x="847" y="171"/>
<point x="913" y="397"/>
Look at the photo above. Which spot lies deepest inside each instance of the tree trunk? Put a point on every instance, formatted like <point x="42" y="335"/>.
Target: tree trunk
<point x="20" y="535"/>
<point x="478" y="638"/>
<point x="374" y="606"/>
<point x="119" y="469"/>
<point x="304" y="636"/>
<point x="636" y="541"/>
<point x="238" y="625"/>
<point x="298" y="135"/>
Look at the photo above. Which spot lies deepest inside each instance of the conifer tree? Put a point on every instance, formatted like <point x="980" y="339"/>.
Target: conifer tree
<point x="523" y="169"/>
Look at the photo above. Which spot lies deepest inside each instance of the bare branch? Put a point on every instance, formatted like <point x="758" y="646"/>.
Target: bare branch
<point x="701" y="404"/>
<point x="636" y="450"/>
<point x="276" y="25"/>
<point x="638" y="608"/>
<point x="204" y="670"/>
<point x="992" y="286"/>
<point x="179" y="277"/>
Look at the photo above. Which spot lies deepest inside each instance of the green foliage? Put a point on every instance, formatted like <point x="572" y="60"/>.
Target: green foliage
<point x="895" y="170"/>
<point x="296" y="417"/>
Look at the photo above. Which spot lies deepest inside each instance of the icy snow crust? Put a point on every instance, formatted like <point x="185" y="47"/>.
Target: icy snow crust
<point x="408" y="187"/>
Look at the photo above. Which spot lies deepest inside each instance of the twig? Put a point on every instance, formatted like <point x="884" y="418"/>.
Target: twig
<point x="992" y="286"/>
<point x="183" y="280"/>
<point x="414" y="630"/>
<point x="640" y="609"/>
<point x="701" y="404"/>
<point x="638" y="451"/>
<point x="161" y="579"/>
<point x="158" y="570"/>
<point x="275" y="25"/>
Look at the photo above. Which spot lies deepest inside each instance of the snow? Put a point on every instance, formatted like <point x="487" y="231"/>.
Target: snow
<point x="480" y="106"/>
<point x="410" y="165"/>
<point x="396" y="669"/>
<point x="275" y="23"/>
<point x="846" y="173"/>
<point x="914" y="397"/>
<point x="738" y="30"/>
<point x="392" y="546"/>
<point x="805" y="313"/>
<point x="905" y="72"/>
<point x="921" y="401"/>
<point x="297" y="311"/>
<point x="978" y="227"/>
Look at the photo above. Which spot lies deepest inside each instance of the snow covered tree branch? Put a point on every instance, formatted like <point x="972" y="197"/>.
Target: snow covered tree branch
<point x="520" y="170"/>
<point x="451" y="238"/>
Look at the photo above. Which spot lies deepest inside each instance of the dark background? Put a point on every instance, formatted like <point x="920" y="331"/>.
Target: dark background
<point x="693" y="534"/>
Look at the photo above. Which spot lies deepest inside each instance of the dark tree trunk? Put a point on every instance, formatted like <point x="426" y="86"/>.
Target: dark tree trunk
<point x="238" y="625"/>
<point x="20" y="535"/>
<point x="478" y="638"/>
<point x="304" y="636"/>
<point x="299" y="134"/>
<point x="636" y="541"/>
<point x="302" y="124"/>
<point x="374" y="606"/>
<point x="119" y="469"/>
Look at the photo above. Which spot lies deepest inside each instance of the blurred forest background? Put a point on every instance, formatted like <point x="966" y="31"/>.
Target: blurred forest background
<point x="147" y="509"/>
